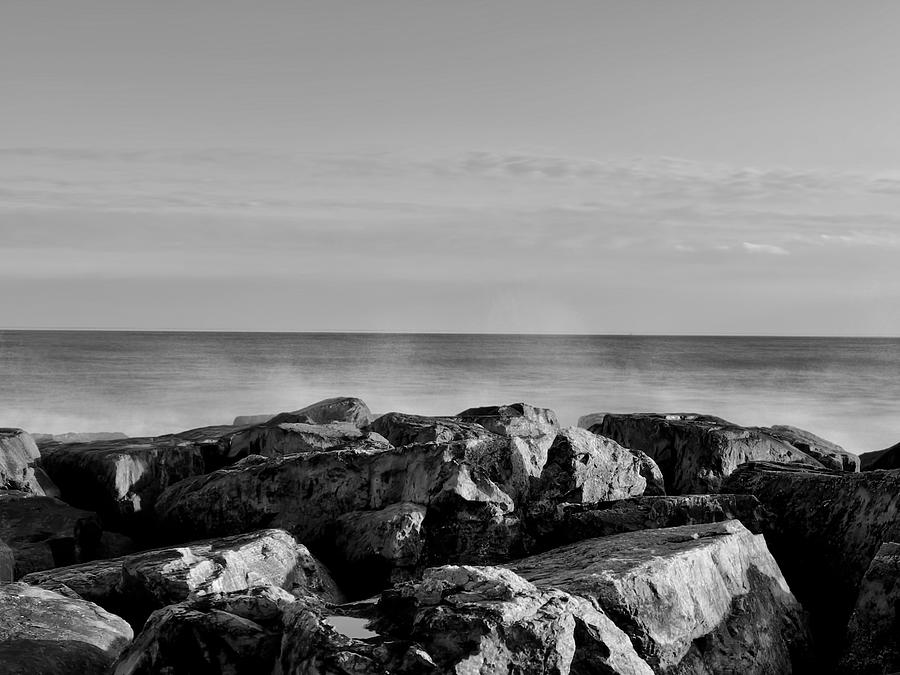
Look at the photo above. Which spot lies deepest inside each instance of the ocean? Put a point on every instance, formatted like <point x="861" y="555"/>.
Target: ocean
<point x="141" y="383"/>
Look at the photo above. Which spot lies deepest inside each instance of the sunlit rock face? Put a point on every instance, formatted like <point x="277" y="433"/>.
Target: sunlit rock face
<point x="19" y="457"/>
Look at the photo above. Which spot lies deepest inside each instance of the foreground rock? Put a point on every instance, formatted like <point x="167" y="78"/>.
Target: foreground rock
<point x="45" y="632"/>
<point x="42" y="532"/>
<point x="695" y="452"/>
<point x="238" y="632"/>
<point x="551" y="525"/>
<point x="19" y="456"/>
<point x="889" y="458"/>
<point x="583" y="467"/>
<point x="826" y="529"/>
<point x="873" y="634"/>
<point x="694" y="599"/>
<point x="135" y="585"/>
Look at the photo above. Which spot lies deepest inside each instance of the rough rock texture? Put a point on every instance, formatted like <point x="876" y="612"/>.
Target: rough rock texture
<point x="276" y="440"/>
<point x="830" y="455"/>
<point x="826" y="529"/>
<point x="484" y="620"/>
<point x="120" y="480"/>
<point x="656" y="482"/>
<point x="873" y="634"/>
<point x="7" y="563"/>
<point x="695" y="452"/>
<point x="78" y="437"/>
<point x="530" y="431"/>
<point x="694" y="599"/>
<point x="552" y="525"/>
<point x="405" y="429"/>
<point x="222" y="633"/>
<point x="889" y="458"/>
<point x="18" y="456"/>
<point x="135" y="585"/>
<point x="338" y="409"/>
<point x="583" y="467"/>
<point x="44" y="532"/>
<point x="49" y="633"/>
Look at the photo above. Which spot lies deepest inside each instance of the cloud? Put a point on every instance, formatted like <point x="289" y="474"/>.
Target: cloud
<point x="767" y="249"/>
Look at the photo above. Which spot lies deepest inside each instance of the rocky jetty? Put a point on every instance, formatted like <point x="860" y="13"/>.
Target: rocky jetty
<point x="324" y="540"/>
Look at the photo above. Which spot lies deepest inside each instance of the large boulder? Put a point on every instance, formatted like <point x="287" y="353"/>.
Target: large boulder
<point x="694" y="599"/>
<point x="830" y="455"/>
<point x="236" y="633"/>
<point x="583" y="467"/>
<point x="873" y="634"/>
<point x="121" y="479"/>
<point x="695" y="452"/>
<point x="19" y="456"/>
<point x="889" y="458"/>
<point x="530" y="431"/>
<point x="338" y="409"/>
<point x="551" y="525"/>
<point x="43" y="532"/>
<point x="825" y="530"/>
<point x="42" y="631"/>
<point x="135" y="585"/>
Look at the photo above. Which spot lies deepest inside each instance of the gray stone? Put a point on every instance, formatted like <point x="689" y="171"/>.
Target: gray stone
<point x="830" y="455"/>
<point x="19" y="456"/>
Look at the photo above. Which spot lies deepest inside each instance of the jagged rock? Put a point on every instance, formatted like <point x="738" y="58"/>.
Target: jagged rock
<point x="696" y="599"/>
<point x="234" y="633"/>
<point x="49" y="633"/>
<point x="306" y="494"/>
<point x="889" y="458"/>
<point x="276" y="440"/>
<point x="121" y="480"/>
<point x="584" y="467"/>
<point x="656" y="482"/>
<point x="44" y="532"/>
<point x="135" y="585"/>
<point x="825" y="530"/>
<point x="873" y="634"/>
<point x="531" y="432"/>
<point x="405" y="429"/>
<point x="551" y="525"/>
<point x="339" y="409"/>
<point x="485" y="620"/>
<point x="19" y="456"/>
<point x="695" y="452"/>
<point x="830" y="455"/>
<point x="7" y="563"/>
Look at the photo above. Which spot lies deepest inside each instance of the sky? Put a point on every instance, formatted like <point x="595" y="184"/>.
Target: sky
<point x="574" y="167"/>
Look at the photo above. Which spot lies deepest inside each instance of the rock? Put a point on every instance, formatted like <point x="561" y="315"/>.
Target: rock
<point x="694" y="599"/>
<point x="236" y="633"/>
<point x="276" y="440"/>
<point x="873" y="634"/>
<point x="44" y="532"/>
<point x="18" y="458"/>
<point x="656" y="483"/>
<point x="252" y="420"/>
<point x="825" y="530"/>
<point x="339" y="409"/>
<point x="45" y="632"/>
<point x="135" y="585"/>
<point x="530" y="431"/>
<point x="584" y="467"/>
<point x="7" y="563"/>
<point x="695" y="452"/>
<point x="78" y="437"/>
<point x="488" y="620"/>
<point x="551" y="525"/>
<point x="830" y="455"/>
<point x="889" y="458"/>
<point x="121" y="480"/>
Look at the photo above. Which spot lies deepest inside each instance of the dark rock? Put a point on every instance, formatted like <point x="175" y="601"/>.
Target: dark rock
<point x="19" y="457"/>
<point x="405" y="429"/>
<point x="135" y="585"/>
<point x="48" y="633"/>
<point x="695" y="452"/>
<point x="7" y="563"/>
<point x="830" y="455"/>
<point x="237" y="633"/>
<point x="551" y="525"/>
<point x="656" y="482"/>
<point x="339" y="409"/>
<point x="252" y="420"/>
<point x="693" y="599"/>
<point x="276" y="440"/>
<point x="889" y="458"/>
<point x="873" y="634"/>
<point x="584" y="467"/>
<point x="44" y="532"/>
<point x="826" y="529"/>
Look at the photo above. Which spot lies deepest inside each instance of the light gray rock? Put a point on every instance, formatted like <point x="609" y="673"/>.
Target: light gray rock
<point x="45" y="632"/>
<point x="696" y="599"/>
<point x="830" y="455"/>
<point x="338" y="409"/>
<point x="19" y="456"/>
<point x="276" y="440"/>
<point x="78" y="437"/>
<point x="695" y="452"/>
<point x="583" y="467"/>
